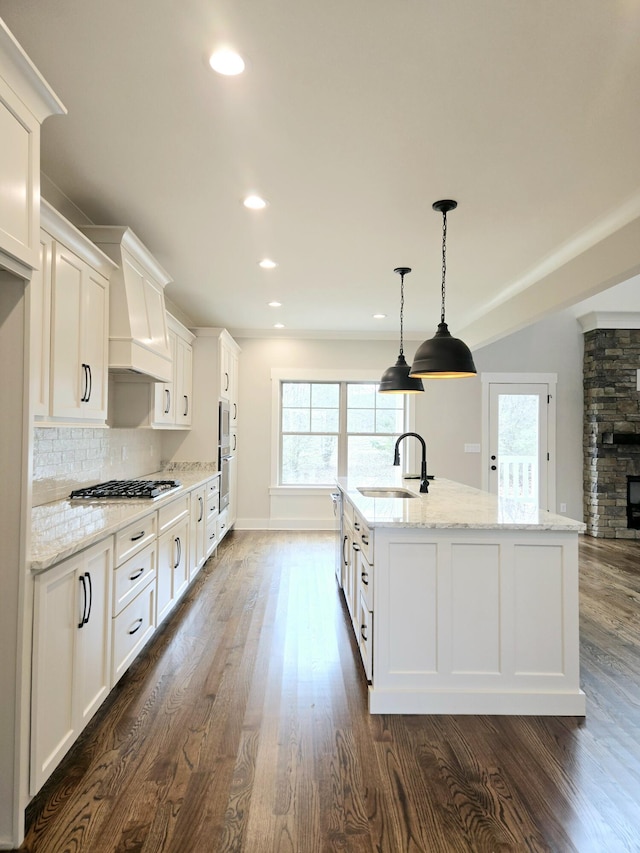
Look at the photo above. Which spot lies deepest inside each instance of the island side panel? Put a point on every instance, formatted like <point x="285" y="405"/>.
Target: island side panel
<point x="476" y="621"/>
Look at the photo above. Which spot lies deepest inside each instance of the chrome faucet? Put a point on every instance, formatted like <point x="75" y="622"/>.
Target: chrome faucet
<point x="424" y="483"/>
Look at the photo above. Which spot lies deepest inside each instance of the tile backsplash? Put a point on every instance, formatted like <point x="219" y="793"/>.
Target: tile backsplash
<point x="65" y="458"/>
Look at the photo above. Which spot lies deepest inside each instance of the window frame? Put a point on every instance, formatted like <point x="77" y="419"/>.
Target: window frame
<point x="279" y="375"/>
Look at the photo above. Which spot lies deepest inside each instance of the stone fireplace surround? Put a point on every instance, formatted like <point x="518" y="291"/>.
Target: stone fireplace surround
<point x="611" y="428"/>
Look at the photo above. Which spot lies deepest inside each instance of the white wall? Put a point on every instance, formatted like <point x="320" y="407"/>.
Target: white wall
<point x="448" y="415"/>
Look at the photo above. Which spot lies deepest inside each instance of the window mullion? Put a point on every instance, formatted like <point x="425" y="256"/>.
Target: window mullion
<point x="342" y="439"/>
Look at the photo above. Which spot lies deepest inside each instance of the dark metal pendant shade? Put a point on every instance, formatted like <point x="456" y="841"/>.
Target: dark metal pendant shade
<point x="396" y="379"/>
<point x="443" y="357"/>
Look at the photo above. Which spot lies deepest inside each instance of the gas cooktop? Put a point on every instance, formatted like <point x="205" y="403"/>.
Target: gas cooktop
<point x="126" y="489"/>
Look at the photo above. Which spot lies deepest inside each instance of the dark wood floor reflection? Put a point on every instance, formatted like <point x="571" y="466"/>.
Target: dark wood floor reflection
<point x="245" y="728"/>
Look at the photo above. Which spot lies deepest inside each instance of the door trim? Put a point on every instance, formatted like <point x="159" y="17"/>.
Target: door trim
<point x="551" y="381"/>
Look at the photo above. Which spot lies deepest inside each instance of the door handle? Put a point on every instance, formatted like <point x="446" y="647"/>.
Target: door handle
<point x="167" y="400"/>
<point x="186" y="405"/>
<point x="88" y="577"/>
<point x="84" y="601"/>
<point x="90" y="383"/>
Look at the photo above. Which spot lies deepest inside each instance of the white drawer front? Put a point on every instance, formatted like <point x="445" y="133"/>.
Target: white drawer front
<point x="131" y="630"/>
<point x="212" y="536"/>
<point x="133" y="538"/>
<point x="132" y="576"/>
<point x="171" y="513"/>
<point x="365" y="638"/>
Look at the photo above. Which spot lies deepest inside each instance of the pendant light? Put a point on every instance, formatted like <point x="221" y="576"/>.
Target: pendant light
<point x="396" y="379"/>
<point x="443" y="356"/>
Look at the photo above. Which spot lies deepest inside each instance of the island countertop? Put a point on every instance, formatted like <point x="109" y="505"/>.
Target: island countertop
<point x="450" y="505"/>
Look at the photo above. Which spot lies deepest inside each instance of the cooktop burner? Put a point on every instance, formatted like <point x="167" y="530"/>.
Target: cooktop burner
<point x="126" y="489"/>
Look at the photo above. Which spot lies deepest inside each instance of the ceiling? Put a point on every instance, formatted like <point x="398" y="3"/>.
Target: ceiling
<point x="351" y="119"/>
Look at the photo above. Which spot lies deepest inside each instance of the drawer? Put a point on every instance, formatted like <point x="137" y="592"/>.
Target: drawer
<point x="132" y="628"/>
<point x="132" y="576"/>
<point x="135" y="537"/>
<point x="365" y="637"/>
<point x="172" y="512"/>
<point x="365" y="579"/>
<point x="222" y="522"/>
<point x="213" y="486"/>
<point x="364" y="536"/>
<point x="212" y="537"/>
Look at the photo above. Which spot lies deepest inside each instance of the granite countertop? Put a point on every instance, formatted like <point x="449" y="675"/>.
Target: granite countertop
<point x="62" y="528"/>
<point x="450" y="505"/>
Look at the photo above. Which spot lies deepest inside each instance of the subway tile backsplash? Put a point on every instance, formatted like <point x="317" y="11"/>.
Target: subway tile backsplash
<point x="66" y="458"/>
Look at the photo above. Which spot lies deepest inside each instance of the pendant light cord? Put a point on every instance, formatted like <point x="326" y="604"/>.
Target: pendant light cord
<point x="444" y="259"/>
<point x="401" y="310"/>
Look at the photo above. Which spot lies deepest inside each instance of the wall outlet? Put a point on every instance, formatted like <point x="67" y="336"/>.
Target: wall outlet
<point x="563" y="507"/>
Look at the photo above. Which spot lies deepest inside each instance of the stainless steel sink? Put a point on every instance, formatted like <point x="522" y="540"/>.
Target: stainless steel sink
<point x="385" y="492"/>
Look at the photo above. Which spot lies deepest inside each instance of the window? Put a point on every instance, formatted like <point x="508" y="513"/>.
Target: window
<point x="331" y="429"/>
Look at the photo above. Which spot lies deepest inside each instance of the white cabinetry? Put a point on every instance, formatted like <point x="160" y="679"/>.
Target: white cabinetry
<point x="173" y="554"/>
<point x="134" y="592"/>
<point x="173" y="401"/>
<point x="198" y="532"/>
<point x="70" y="308"/>
<point x="357" y="579"/>
<point x="25" y="101"/>
<point x="71" y="673"/>
<point x="213" y="506"/>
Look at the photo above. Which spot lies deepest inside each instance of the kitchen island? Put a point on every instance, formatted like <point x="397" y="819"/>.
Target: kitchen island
<point x="462" y="602"/>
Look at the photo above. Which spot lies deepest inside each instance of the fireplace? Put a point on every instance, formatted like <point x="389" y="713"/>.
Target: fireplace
<point x="633" y="502"/>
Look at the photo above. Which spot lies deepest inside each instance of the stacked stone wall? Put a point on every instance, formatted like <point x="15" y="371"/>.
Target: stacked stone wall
<point x="611" y="408"/>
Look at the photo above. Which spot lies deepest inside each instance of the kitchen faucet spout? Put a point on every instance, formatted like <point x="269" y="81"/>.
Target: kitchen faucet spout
<point x="424" y="483"/>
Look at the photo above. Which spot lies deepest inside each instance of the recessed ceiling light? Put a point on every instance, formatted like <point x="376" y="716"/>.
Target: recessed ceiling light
<point x="254" y="202"/>
<point x="267" y="264"/>
<point x="379" y="316"/>
<point x="278" y="326"/>
<point x="226" y="62"/>
<point x="274" y="304"/>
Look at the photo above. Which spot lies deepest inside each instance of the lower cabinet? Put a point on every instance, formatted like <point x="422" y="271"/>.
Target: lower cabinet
<point x="198" y="530"/>
<point x="173" y="554"/>
<point x="71" y="673"/>
<point x="357" y="581"/>
<point x="134" y="608"/>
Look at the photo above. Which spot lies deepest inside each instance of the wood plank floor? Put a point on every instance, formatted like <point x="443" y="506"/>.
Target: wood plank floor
<point x="244" y="727"/>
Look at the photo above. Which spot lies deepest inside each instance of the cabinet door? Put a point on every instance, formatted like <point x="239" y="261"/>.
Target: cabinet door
<point x="180" y="556"/>
<point x="57" y="615"/>
<point x="225" y="371"/>
<point x="164" y="392"/>
<point x="198" y="530"/>
<point x="40" y="296"/>
<point x="233" y="490"/>
<point x="69" y="378"/>
<point x="185" y="383"/>
<point x="93" y="662"/>
<point x="164" y="594"/>
<point x="94" y="343"/>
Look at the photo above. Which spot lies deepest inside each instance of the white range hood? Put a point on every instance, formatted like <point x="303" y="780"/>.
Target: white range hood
<point x="138" y="339"/>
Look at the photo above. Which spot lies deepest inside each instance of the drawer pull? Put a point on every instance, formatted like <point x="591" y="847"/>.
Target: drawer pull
<point x="179" y="551"/>
<point x="365" y="539"/>
<point x="213" y="536"/>
<point x="356" y="525"/>
<point x="137" y="536"/>
<point x="365" y="576"/>
<point x="201" y="508"/>
<point x="363" y="632"/>
<point x="355" y="547"/>
<point x="138" y="626"/>
<point x="137" y="574"/>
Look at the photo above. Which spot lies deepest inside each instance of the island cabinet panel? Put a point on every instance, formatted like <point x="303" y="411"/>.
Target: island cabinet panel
<point x="474" y="622"/>
<point x="475" y="608"/>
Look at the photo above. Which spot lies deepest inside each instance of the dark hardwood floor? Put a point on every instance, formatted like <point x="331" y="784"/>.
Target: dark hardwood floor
<point x="244" y="727"/>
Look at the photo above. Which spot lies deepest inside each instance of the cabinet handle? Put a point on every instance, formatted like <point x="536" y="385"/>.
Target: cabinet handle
<point x="226" y="381"/>
<point x="138" y="626"/>
<point x="137" y="574"/>
<point x="355" y="547"/>
<point x="90" y="383"/>
<point x="213" y="536"/>
<point x="88" y="577"/>
<point x="167" y="401"/>
<point x="222" y="526"/>
<point x="364" y="576"/>
<point x="138" y="536"/>
<point x="85" y="380"/>
<point x="186" y="405"/>
<point x="84" y="601"/>
<point x="179" y="550"/>
<point x="356" y="526"/>
<point x="365" y="539"/>
<point x="235" y="441"/>
<point x="235" y="411"/>
<point x="201" y="508"/>
<point x="363" y="629"/>
<point x="344" y="556"/>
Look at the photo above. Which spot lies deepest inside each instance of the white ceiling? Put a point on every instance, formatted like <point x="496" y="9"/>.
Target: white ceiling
<point x="351" y="119"/>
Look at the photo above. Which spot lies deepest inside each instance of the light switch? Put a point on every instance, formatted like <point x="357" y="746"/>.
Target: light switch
<point x="472" y="448"/>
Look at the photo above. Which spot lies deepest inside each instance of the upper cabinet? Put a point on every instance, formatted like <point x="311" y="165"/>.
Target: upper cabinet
<point x="25" y="101"/>
<point x="70" y="316"/>
<point x="228" y="353"/>
<point x="138" y="334"/>
<point x="173" y="401"/>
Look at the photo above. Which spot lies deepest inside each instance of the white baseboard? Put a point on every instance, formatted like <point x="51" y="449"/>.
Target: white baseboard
<point x="285" y="524"/>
